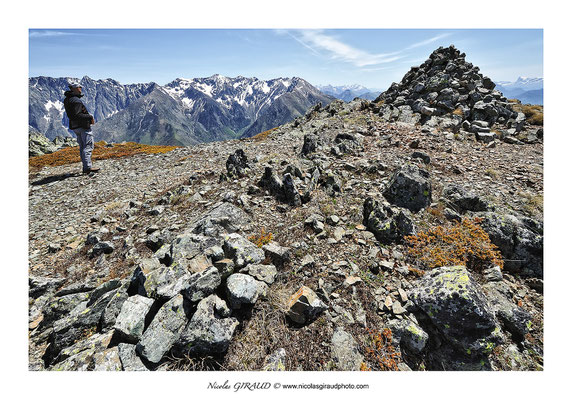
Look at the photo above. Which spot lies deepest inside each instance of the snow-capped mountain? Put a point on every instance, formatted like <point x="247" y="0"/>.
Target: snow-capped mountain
<point x="103" y="98"/>
<point x="349" y="92"/>
<point x="527" y="90"/>
<point x="185" y="111"/>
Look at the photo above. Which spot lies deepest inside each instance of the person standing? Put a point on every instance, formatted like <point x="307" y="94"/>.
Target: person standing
<point x="80" y="123"/>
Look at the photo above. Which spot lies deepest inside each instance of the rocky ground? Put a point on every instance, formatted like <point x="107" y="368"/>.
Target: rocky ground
<point x="153" y="262"/>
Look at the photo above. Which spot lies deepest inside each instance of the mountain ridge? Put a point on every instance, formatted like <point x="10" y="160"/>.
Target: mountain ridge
<point x="199" y="109"/>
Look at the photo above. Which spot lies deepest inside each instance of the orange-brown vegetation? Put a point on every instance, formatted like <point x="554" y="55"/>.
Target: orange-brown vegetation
<point x="70" y="155"/>
<point x="462" y="243"/>
<point x="262" y="238"/>
<point x="263" y="135"/>
<point x="534" y="113"/>
<point x="380" y="351"/>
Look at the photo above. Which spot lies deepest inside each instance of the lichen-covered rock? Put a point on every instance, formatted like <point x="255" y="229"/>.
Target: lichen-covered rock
<point x="242" y="251"/>
<point x="345" y="351"/>
<point x="210" y="329"/>
<point x="243" y="289"/>
<point x="237" y="164"/>
<point x="463" y="200"/>
<point x="304" y="306"/>
<point x="107" y="360"/>
<point x="201" y="284"/>
<point x="519" y="239"/>
<point x="414" y="337"/>
<point x="222" y="218"/>
<point x="458" y="308"/>
<point x="130" y="361"/>
<point x="166" y="281"/>
<point x="409" y="188"/>
<point x="164" y="330"/>
<point x="388" y="224"/>
<point x="515" y="319"/>
<point x="131" y="320"/>
<point x="264" y="273"/>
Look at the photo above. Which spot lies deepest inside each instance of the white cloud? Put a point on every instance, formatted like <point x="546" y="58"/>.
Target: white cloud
<point x="428" y="41"/>
<point x="318" y="41"/>
<point x="46" y="33"/>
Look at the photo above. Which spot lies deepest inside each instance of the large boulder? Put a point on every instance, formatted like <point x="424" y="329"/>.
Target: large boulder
<point x="163" y="331"/>
<point x="345" y="351"/>
<point x="242" y="251"/>
<point x="244" y="290"/>
<point x="210" y="329"/>
<point x="458" y="309"/>
<point x="131" y="320"/>
<point x="409" y="188"/>
<point x="237" y="164"/>
<point x="222" y="218"/>
<point x="388" y="224"/>
<point x="519" y="239"/>
<point x="463" y="200"/>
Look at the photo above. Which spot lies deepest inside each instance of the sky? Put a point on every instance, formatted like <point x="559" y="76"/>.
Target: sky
<point x="371" y="57"/>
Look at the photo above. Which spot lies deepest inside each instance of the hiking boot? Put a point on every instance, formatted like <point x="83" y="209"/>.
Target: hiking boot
<point x="87" y="171"/>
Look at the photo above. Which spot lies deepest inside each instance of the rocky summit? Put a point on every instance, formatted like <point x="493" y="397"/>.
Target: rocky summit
<point x="379" y="235"/>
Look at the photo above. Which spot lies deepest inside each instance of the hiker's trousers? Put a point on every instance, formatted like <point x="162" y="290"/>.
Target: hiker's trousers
<point x="85" y="141"/>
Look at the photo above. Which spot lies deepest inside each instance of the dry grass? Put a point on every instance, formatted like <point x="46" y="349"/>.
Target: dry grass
<point x="534" y="113"/>
<point x="70" y="155"/>
<point x="462" y="243"/>
<point x="263" y="135"/>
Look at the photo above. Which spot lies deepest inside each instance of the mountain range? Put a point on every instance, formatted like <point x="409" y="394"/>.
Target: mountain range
<point x="182" y="112"/>
<point x="349" y="92"/>
<point x="527" y="90"/>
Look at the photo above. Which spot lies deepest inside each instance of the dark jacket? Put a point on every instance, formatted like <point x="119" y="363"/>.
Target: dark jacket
<point x="76" y="111"/>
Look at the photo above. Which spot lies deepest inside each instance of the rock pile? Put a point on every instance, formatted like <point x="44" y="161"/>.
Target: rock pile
<point x="448" y="92"/>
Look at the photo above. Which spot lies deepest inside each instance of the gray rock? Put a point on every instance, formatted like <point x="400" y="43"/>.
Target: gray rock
<point x="39" y="285"/>
<point x="101" y="248"/>
<point x="304" y="306"/>
<point x="202" y="284"/>
<point x="237" y="164"/>
<point x="163" y="331"/>
<point x="210" y="329"/>
<point x="409" y="188"/>
<point x="130" y="361"/>
<point x="166" y="282"/>
<point x="242" y="251"/>
<point x="222" y="218"/>
<point x="414" y="338"/>
<point x="264" y="273"/>
<point x="515" y="319"/>
<point x="131" y="320"/>
<point x="278" y="254"/>
<point x="310" y="144"/>
<point x="519" y="239"/>
<point x="107" y="360"/>
<point x="243" y="289"/>
<point x="464" y="201"/>
<point x="225" y="267"/>
<point x="388" y="224"/>
<point x="458" y="308"/>
<point x="345" y="351"/>
<point x="291" y="193"/>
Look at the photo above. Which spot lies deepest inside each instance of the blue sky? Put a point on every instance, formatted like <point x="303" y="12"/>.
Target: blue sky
<point x="370" y="57"/>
